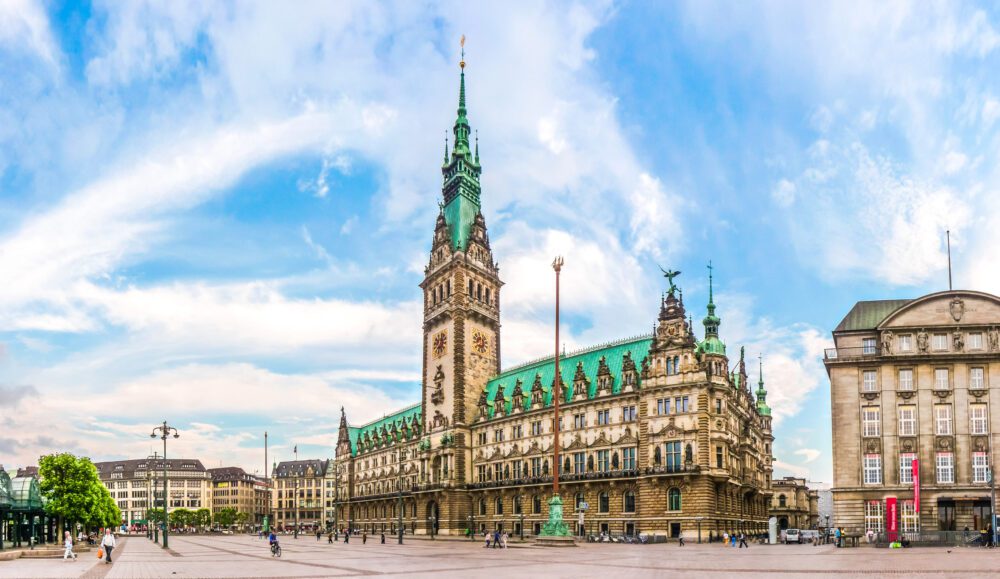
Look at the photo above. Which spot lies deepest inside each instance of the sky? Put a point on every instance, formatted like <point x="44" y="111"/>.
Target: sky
<point x="218" y="213"/>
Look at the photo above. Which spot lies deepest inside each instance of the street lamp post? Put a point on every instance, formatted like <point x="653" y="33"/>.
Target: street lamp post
<point x="699" y="529"/>
<point x="296" y="532"/>
<point x="150" y="491"/>
<point x="165" y="432"/>
<point x="336" y="497"/>
<point x="522" y="526"/>
<point x="472" y="527"/>
<point x="555" y="527"/>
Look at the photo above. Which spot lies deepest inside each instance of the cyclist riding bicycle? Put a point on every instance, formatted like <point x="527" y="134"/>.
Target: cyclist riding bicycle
<point x="272" y="540"/>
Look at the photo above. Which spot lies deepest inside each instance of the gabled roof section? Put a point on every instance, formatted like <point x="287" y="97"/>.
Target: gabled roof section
<point x="299" y="468"/>
<point x="868" y="315"/>
<point x="613" y="352"/>
<point x="374" y="428"/>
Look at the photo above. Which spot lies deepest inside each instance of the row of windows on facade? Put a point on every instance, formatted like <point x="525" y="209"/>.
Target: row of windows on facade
<point x="904" y="382"/>
<point x="442" y="292"/>
<point x="939" y="342"/>
<point x="944" y="471"/>
<point x="577" y="463"/>
<point x="629" y="413"/>
<point x="871" y="420"/>
<point x="910" y="519"/>
<point x="141" y="484"/>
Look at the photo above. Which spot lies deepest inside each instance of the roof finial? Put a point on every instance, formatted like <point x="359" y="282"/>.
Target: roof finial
<point x="461" y="42"/>
<point x="710" y="281"/>
<point x="446" y="146"/>
<point x="477" y="146"/>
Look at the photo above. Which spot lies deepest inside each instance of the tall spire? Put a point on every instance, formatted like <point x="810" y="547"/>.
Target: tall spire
<point x="762" y="407"/>
<point x="461" y="123"/>
<point x="711" y="321"/>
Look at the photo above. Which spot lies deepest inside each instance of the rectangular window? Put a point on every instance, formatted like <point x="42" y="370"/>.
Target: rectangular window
<point x="907" y="420"/>
<point x="975" y="341"/>
<point x="871" y="421"/>
<point x="945" y="467"/>
<point x="628" y="414"/>
<point x="873" y="469"/>
<point x="718" y="405"/>
<point x="905" y="379"/>
<point x="681" y="404"/>
<point x="481" y="472"/>
<point x="977" y="419"/>
<point x="579" y="463"/>
<point x="718" y="457"/>
<point x="976" y="379"/>
<point x="868" y="381"/>
<point x="518" y="472"/>
<point x="980" y="467"/>
<point x="905" y="343"/>
<point x="603" y="460"/>
<point x="940" y="342"/>
<point x="663" y="406"/>
<point x="536" y="428"/>
<point x="579" y="420"/>
<point x="603" y="417"/>
<point x="498" y="435"/>
<point x="941" y="381"/>
<point x="673" y="456"/>
<point x="628" y="458"/>
<point x="516" y="431"/>
<point x="906" y="467"/>
<point x="874" y="516"/>
<point x="908" y="518"/>
<point x="942" y="419"/>
<point x="868" y="346"/>
<point x="536" y="466"/>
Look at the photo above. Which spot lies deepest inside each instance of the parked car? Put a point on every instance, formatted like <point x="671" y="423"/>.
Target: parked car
<point x="793" y="536"/>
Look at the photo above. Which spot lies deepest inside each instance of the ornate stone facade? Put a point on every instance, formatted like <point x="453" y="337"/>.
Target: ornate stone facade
<point x="912" y="380"/>
<point x="659" y="433"/>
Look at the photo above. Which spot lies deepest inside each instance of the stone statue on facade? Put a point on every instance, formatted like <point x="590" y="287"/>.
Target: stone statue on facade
<point x="994" y="336"/>
<point x="922" y="342"/>
<point x="887" y="342"/>
<point x="957" y="341"/>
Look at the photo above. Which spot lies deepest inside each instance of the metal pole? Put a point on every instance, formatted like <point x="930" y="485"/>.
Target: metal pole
<point x="400" y="496"/>
<point x="993" y="493"/>
<point x="336" y="497"/>
<point x="267" y="507"/>
<point x="296" y="534"/>
<point x="166" y="520"/>
<point x="556" y="390"/>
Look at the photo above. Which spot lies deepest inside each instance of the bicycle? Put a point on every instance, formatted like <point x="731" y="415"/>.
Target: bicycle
<point x="275" y="550"/>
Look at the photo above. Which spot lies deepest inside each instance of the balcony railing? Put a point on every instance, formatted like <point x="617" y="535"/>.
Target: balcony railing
<point x="849" y="354"/>
<point x="666" y="469"/>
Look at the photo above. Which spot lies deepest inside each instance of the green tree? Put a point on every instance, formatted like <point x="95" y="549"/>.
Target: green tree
<point x="241" y="519"/>
<point x="180" y="517"/>
<point x="203" y="517"/>
<point x="226" y="517"/>
<point x="74" y="491"/>
<point x="154" y="515"/>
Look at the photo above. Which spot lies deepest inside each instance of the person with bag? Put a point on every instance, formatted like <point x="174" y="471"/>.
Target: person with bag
<point x="107" y="544"/>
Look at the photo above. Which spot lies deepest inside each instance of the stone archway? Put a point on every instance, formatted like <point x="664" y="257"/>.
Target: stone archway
<point x="433" y="517"/>
<point x="783" y="523"/>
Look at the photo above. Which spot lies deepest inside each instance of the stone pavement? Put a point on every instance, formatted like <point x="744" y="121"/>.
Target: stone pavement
<point x="243" y="556"/>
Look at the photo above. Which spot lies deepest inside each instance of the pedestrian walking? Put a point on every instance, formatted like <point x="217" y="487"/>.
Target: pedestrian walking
<point x="108" y="544"/>
<point x="486" y="535"/>
<point x="680" y="539"/>
<point x="743" y="541"/>
<point x="68" y="543"/>
<point x="732" y="540"/>
<point x="503" y="539"/>
<point x="329" y="538"/>
<point x="496" y="539"/>
<point x="725" y="538"/>
<point x="364" y="538"/>
<point x="347" y="536"/>
<point x="383" y="537"/>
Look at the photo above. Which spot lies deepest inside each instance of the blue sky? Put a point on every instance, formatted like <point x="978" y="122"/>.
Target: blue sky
<point x="218" y="213"/>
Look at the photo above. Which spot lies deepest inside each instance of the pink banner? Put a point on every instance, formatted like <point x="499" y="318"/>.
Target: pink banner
<point x="891" y="518"/>
<point x="916" y="485"/>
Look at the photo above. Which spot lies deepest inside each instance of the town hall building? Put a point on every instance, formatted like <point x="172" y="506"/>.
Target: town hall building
<point x="660" y="434"/>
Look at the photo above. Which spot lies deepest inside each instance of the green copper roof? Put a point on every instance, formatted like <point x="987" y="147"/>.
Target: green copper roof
<point x="762" y="408"/>
<point x="461" y="189"/>
<point x="613" y="353"/>
<point x="5" y="492"/>
<point x="374" y="429"/>
<point x="25" y="493"/>
<point x="868" y="315"/>
<point x="711" y="344"/>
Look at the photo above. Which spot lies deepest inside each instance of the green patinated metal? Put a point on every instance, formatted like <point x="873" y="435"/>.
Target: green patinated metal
<point x="762" y="408"/>
<point x="614" y="356"/>
<point x="555" y="526"/>
<point x="26" y="494"/>
<point x="401" y="425"/>
<point x="869" y="314"/>
<point x="461" y="178"/>
<point x="6" y="494"/>
<point x="711" y="344"/>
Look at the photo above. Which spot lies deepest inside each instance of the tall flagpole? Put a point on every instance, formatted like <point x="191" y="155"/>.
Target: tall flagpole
<point x="555" y="530"/>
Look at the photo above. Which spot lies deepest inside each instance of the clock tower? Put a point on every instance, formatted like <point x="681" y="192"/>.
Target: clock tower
<point x="461" y="308"/>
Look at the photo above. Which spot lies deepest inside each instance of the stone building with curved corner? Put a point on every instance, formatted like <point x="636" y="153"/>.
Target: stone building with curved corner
<point x="660" y="433"/>
<point x="794" y="504"/>
<point x="913" y="380"/>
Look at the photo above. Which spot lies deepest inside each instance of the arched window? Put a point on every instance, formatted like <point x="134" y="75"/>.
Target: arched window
<point x="487" y="295"/>
<point x="482" y="507"/>
<point x="674" y="499"/>
<point x="578" y="501"/>
<point x="448" y="286"/>
<point x="517" y="505"/>
<point x="536" y="505"/>
<point x="677" y="364"/>
<point x="498" y="508"/>
<point x="782" y="501"/>
<point x="670" y="366"/>
<point x="603" y="504"/>
<point x="628" y="502"/>
<point x="657" y="456"/>
<point x="470" y="288"/>
<point x="479" y="292"/>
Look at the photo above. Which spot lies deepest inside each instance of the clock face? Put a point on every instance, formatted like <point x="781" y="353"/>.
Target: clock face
<point x="440" y="344"/>
<point x="480" y="342"/>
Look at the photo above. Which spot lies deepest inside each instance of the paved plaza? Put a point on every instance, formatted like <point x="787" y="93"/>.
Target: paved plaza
<point x="241" y="556"/>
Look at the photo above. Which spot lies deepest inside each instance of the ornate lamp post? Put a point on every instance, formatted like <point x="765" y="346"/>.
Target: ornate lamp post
<point x="402" y="456"/>
<point x="151" y="490"/>
<point x="555" y="527"/>
<point x="165" y="432"/>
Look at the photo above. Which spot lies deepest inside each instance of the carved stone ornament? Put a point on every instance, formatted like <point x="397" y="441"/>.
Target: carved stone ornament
<point x="980" y="444"/>
<point x="922" y="341"/>
<point x="905" y="394"/>
<point x="944" y="442"/>
<point x="958" y="341"/>
<point x="873" y="446"/>
<point x="994" y="338"/>
<point x="942" y="393"/>
<point x="870" y="395"/>
<point x="907" y="444"/>
<point x="887" y="342"/>
<point x="957" y="309"/>
<point x="978" y="393"/>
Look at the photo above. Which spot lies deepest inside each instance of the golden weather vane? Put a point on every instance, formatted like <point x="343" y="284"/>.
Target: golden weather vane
<point x="462" y="43"/>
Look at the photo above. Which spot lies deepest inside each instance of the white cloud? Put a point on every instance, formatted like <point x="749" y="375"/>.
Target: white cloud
<point x="24" y="25"/>
<point x="809" y="454"/>
<point x="784" y="193"/>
